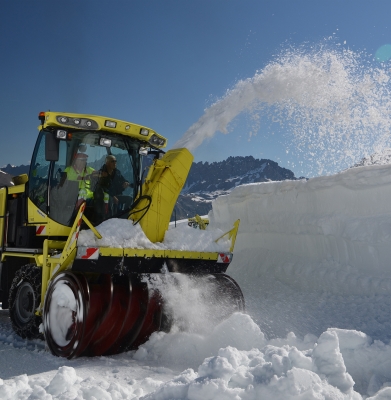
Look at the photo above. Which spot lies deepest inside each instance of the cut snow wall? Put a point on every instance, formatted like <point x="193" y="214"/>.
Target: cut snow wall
<point x="341" y="221"/>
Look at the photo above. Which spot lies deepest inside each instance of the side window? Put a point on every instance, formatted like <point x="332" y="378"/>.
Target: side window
<point x="124" y="165"/>
<point x="39" y="171"/>
<point x="59" y="166"/>
<point x="63" y="191"/>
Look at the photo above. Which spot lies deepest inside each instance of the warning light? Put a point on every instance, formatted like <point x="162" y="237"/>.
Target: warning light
<point x="41" y="117"/>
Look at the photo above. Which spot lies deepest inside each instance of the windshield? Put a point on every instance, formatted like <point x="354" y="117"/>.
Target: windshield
<point x="106" y="178"/>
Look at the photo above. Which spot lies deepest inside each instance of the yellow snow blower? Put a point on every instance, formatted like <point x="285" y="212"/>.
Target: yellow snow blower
<point x="85" y="171"/>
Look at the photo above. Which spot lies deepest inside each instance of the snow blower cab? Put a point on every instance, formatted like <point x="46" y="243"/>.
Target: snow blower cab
<point x="95" y="297"/>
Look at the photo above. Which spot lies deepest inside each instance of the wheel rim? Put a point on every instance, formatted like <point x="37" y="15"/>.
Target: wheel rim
<point x="64" y="314"/>
<point x="25" y="303"/>
<point x="62" y="317"/>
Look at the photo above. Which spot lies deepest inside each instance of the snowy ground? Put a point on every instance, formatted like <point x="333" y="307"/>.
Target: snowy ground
<point x="312" y="258"/>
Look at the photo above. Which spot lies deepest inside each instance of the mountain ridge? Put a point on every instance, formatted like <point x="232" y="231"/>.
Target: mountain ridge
<point x="14" y="170"/>
<point x="206" y="181"/>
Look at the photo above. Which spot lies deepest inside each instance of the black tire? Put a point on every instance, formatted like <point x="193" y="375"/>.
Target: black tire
<point x="24" y="299"/>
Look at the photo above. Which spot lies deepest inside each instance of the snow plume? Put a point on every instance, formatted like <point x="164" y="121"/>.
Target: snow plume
<point x="190" y="301"/>
<point x="332" y="105"/>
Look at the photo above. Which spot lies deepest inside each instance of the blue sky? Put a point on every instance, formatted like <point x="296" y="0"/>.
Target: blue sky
<point x="160" y="63"/>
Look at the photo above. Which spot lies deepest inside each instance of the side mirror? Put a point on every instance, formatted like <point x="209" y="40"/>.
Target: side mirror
<point x="158" y="154"/>
<point x="52" y="147"/>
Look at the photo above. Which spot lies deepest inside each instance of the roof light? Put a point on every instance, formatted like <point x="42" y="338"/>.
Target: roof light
<point x="77" y="122"/>
<point x="127" y="127"/>
<point x="157" y="141"/>
<point x="110" y="124"/>
<point x="144" y="131"/>
<point x="105" y="142"/>
<point x="41" y="117"/>
<point x="89" y="123"/>
<point x="61" y="134"/>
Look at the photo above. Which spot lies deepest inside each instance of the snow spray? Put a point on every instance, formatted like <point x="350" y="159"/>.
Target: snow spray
<point x="331" y="104"/>
<point x="191" y="302"/>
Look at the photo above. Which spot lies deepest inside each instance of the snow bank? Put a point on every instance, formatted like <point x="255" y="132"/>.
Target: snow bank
<point x="345" y="218"/>
<point x="316" y="250"/>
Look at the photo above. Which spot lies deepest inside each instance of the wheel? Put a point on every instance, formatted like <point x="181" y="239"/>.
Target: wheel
<point x="24" y="299"/>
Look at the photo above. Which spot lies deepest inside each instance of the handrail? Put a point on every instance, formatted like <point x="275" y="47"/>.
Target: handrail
<point x="231" y="235"/>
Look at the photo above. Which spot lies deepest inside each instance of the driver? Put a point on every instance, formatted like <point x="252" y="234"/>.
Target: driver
<point x="111" y="184"/>
<point x="79" y="171"/>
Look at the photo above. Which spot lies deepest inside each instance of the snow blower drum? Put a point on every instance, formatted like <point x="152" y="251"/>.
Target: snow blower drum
<point x="108" y="315"/>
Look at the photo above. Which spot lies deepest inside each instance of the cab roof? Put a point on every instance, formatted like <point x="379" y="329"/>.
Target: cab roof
<point x="100" y="123"/>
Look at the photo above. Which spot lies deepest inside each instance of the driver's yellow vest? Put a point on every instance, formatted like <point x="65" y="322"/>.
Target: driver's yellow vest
<point x="85" y="191"/>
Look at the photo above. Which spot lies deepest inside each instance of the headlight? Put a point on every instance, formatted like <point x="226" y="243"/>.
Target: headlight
<point x="110" y="124"/>
<point x="105" y="142"/>
<point x="61" y="134"/>
<point x="144" y="132"/>
<point x="156" y="140"/>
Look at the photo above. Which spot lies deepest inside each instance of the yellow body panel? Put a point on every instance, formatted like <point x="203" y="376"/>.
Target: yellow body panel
<point x="38" y="217"/>
<point x="10" y="190"/>
<point x="164" y="182"/>
<point x="16" y="189"/>
<point x="35" y="215"/>
<point x="20" y="179"/>
<point x="156" y="253"/>
<point x="194" y="255"/>
<point x="111" y="252"/>
<point x="31" y="257"/>
<point x="3" y="199"/>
